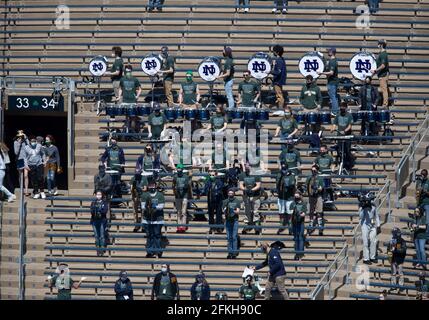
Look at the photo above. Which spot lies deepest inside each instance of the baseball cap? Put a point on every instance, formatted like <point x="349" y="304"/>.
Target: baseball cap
<point x="333" y="50"/>
<point x="189" y="72"/>
<point x="382" y="41"/>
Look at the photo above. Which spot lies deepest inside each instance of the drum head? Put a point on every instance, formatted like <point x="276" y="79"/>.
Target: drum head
<point x="98" y="66"/>
<point x="311" y="63"/>
<point x="151" y="64"/>
<point x="209" y="69"/>
<point x="259" y="65"/>
<point x="361" y="65"/>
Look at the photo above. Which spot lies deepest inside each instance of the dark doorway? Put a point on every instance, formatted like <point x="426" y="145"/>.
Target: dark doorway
<point x="38" y="125"/>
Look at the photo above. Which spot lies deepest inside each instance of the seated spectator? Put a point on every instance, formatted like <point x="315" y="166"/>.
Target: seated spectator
<point x="99" y="211"/>
<point x="155" y="4"/>
<point x="280" y="5"/>
<point x="63" y="281"/>
<point x="52" y="164"/>
<point x="165" y="286"/>
<point x="123" y="287"/>
<point x="248" y="291"/>
<point x="200" y="289"/>
<point x="34" y="156"/>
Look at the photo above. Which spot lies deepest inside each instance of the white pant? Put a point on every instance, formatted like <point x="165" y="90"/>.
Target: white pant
<point x="369" y="238"/>
<point x="2" y="188"/>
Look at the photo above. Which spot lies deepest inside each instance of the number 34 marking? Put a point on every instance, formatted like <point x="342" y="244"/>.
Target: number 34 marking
<point x="46" y="104"/>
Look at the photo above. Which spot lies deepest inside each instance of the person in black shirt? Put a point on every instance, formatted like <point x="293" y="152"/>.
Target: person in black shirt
<point x="99" y="210"/>
<point x="123" y="287"/>
<point x="116" y="71"/>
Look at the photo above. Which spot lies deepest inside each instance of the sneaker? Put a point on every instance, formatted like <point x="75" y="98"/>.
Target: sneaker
<point x="274" y="10"/>
<point x="136" y="229"/>
<point x="11" y="198"/>
<point x="367" y="262"/>
<point x="284" y="11"/>
<point x="159" y="255"/>
<point x="55" y="193"/>
<point x="149" y="255"/>
<point x="43" y="195"/>
<point x="229" y="256"/>
<point x="36" y="196"/>
<point x="246" y="10"/>
<point x="244" y="231"/>
<point x="280" y="231"/>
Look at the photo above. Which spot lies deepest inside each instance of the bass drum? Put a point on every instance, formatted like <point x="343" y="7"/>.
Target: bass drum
<point x="311" y="63"/>
<point x="151" y="64"/>
<point x="98" y="66"/>
<point x="209" y="69"/>
<point x="260" y="65"/>
<point x="361" y="65"/>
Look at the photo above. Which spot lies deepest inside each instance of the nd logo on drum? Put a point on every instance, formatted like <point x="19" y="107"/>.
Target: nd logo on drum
<point x="209" y="69"/>
<point x="97" y="66"/>
<point x="150" y="64"/>
<point x="361" y="66"/>
<point x="259" y="66"/>
<point x="311" y="65"/>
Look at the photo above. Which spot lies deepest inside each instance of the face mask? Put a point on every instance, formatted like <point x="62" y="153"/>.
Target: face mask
<point x="189" y="79"/>
<point x="128" y="73"/>
<point x="314" y="172"/>
<point x="164" y="270"/>
<point x="114" y="143"/>
<point x="152" y="190"/>
<point x="247" y="171"/>
<point x="231" y="196"/>
<point x="123" y="279"/>
<point x="148" y="151"/>
<point x="342" y="111"/>
<point x="297" y="199"/>
<point x="287" y="114"/>
<point x="33" y="144"/>
<point x="99" y="197"/>
<point x="308" y="84"/>
<point x="284" y="171"/>
<point x="180" y="173"/>
<point x="48" y="143"/>
<point x="322" y="153"/>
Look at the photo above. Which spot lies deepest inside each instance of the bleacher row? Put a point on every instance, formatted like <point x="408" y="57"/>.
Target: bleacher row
<point x="192" y="31"/>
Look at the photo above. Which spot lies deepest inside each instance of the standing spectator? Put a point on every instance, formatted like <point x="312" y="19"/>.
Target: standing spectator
<point x="280" y="5"/>
<point x="123" y="287"/>
<point x="242" y="4"/>
<point x="277" y="272"/>
<point x="167" y="71"/>
<point x="287" y="127"/>
<point x="4" y="153"/>
<point x="34" y="156"/>
<point x="153" y="203"/>
<point x="113" y="158"/>
<point x="250" y="185"/>
<point x="10" y="197"/>
<point x="248" y="291"/>
<point x="165" y="286"/>
<point x="279" y="74"/>
<point x="103" y="182"/>
<point x="63" y="281"/>
<point x="19" y="143"/>
<point x="248" y="91"/>
<point x="382" y="71"/>
<point x="231" y="209"/>
<point x="228" y="75"/>
<point x="130" y="88"/>
<point x="397" y="250"/>
<point x="422" y="188"/>
<point x="214" y="188"/>
<point x="116" y="71"/>
<point x="99" y="210"/>
<point x="286" y="187"/>
<point x="369" y="220"/>
<point x="420" y="235"/>
<point x="299" y="211"/>
<point x="182" y="193"/>
<point x="200" y="289"/>
<point x="189" y="92"/>
<point x="422" y="286"/>
<point x="155" y="4"/>
<point x="314" y="184"/>
<point x="331" y="73"/>
<point x="52" y="164"/>
<point x="311" y="96"/>
<point x="368" y="96"/>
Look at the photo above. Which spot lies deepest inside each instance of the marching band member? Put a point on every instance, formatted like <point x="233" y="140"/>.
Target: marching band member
<point x="167" y="71"/>
<point x="189" y="92"/>
<point x="279" y="74"/>
<point x="331" y="72"/>
<point x="382" y="71"/>
<point x="311" y="96"/>
<point x="116" y="71"/>
<point x="228" y="75"/>
<point x="248" y="91"/>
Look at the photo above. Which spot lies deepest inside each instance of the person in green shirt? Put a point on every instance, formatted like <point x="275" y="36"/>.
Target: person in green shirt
<point x="152" y="203"/>
<point x="342" y="125"/>
<point x="248" y="91"/>
<point x="130" y="88"/>
<point x="326" y="165"/>
<point x="292" y="158"/>
<point x="189" y="92"/>
<point x="286" y="187"/>
<point x="331" y="73"/>
<point x="63" y="281"/>
<point x="167" y="71"/>
<point x="299" y="211"/>
<point x="139" y="185"/>
<point x="220" y="158"/>
<point x="182" y="189"/>
<point x="287" y="126"/>
<point x="248" y="291"/>
<point x="228" y="75"/>
<point x="311" y="96"/>
<point x="314" y="184"/>
<point x="218" y="122"/>
<point x="116" y="71"/>
<point x="157" y="123"/>
<point x="250" y="185"/>
<point x="382" y="71"/>
<point x="231" y="209"/>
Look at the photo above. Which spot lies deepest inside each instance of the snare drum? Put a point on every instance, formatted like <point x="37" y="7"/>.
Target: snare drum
<point x="313" y="118"/>
<point x="371" y="116"/>
<point x="112" y="110"/>
<point x="327" y="183"/>
<point x="384" y="116"/>
<point x="190" y="114"/>
<point x="300" y="117"/>
<point x="238" y="114"/>
<point x="203" y="114"/>
<point x="170" y="114"/>
<point x="263" y="114"/>
<point x="355" y="116"/>
<point x="361" y="115"/>
<point x="230" y="113"/>
<point x="130" y="110"/>
<point x="147" y="110"/>
<point x="325" y="117"/>
<point x="179" y="113"/>
<point x="250" y="115"/>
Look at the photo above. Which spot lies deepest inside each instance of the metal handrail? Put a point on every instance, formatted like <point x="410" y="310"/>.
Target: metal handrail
<point x="403" y="168"/>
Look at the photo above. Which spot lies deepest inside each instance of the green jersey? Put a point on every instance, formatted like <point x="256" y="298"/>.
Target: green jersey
<point x="298" y="208"/>
<point x="64" y="285"/>
<point x="229" y="206"/>
<point x="342" y="122"/>
<point x="118" y="65"/>
<point x="189" y="92"/>
<point x="249" y="292"/>
<point x="324" y="162"/>
<point x="292" y="158"/>
<point x="248" y="91"/>
<point x="332" y="65"/>
<point x="313" y="184"/>
<point x="310" y="96"/>
<point x="157" y="123"/>
<point x="113" y="159"/>
<point x="165" y="289"/>
<point x="129" y="86"/>
<point x="383" y="58"/>
<point x="287" y="126"/>
<point x="250" y="182"/>
<point x="229" y="65"/>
